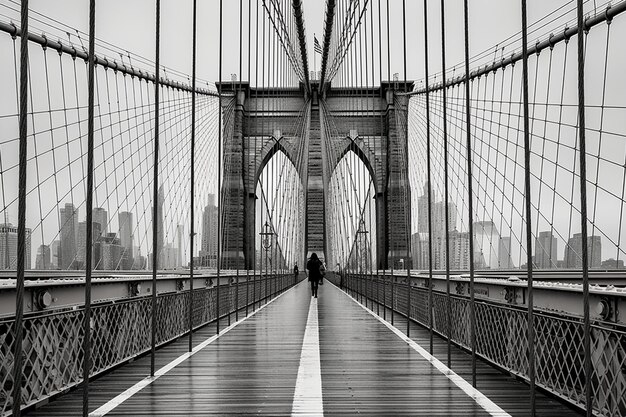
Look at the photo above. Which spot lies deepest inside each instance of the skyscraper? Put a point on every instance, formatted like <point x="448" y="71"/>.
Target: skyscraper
<point x="422" y="209"/>
<point x="545" y="250"/>
<point x="573" y="251"/>
<point x="99" y="215"/>
<point x="459" y="250"/>
<point x="54" y="254"/>
<point x="43" y="257"/>
<point x="8" y="247"/>
<point x="487" y="245"/>
<point x="208" y="247"/>
<point x="504" y="253"/>
<point x="111" y="251"/>
<point x="69" y="230"/>
<point x="125" y="220"/>
<point x="179" y="249"/>
<point x="82" y="244"/>
<point x="159" y="221"/>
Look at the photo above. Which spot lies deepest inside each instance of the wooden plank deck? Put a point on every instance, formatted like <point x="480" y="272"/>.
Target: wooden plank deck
<point x="252" y="369"/>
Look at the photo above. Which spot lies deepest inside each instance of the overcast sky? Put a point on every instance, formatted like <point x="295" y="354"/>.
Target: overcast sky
<point x="128" y="25"/>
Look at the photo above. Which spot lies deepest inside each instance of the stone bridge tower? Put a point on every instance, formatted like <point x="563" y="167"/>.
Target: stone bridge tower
<point x="372" y="122"/>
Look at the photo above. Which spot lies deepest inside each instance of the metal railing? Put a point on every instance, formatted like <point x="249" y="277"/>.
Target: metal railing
<point x="120" y="331"/>
<point x="501" y="339"/>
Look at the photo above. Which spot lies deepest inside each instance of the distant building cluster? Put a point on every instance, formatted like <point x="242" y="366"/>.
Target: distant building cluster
<point x="492" y="251"/>
<point x="110" y="250"/>
<point x="459" y="241"/>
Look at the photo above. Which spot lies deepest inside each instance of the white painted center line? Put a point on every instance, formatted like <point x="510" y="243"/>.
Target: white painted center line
<point x="480" y="398"/>
<point x="118" y="400"/>
<point x="307" y="398"/>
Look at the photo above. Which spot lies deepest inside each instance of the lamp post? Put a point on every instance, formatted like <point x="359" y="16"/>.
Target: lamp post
<point x="361" y="237"/>
<point x="266" y="241"/>
<point x="340" y="276"/>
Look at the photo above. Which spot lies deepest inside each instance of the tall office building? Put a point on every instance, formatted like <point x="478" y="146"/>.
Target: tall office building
<point x="54" y="254"/>
<point x="69" y="230"/>
<point x="439" y="218"/>
<point x="573" y="251"/>
<point x="459" y="250"/>
<point x="545" y="250"/>
<point x="168" y="257"/>
<point x="125" y="220"/>
<point x="422" y="209"/>
<point x="99" y="215"/>
<point x="81" y="248"/>
<point x="111" y="252"/>
<point x="160" y="227"/>
<point x="208" y="246"/>
<point x="42" y="262"/>
<point x="179" y="249"/>
<point x="8" y="247"/>
<point x="504" y="253"/>
<point x="487" y="245"/>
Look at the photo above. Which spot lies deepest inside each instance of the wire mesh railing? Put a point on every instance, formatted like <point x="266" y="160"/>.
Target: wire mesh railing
<point x="120" y="329"/>
<point x="501" y="338"/>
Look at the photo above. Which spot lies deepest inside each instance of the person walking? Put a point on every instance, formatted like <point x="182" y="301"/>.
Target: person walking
<point x="313" y="265"/>
<point x="295" y="274"/>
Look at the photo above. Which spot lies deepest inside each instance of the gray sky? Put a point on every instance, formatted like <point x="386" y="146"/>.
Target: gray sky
<point x="129" y="26"/>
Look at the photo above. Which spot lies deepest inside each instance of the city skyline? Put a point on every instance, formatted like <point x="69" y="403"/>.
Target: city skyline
<point x="491" y="250"/>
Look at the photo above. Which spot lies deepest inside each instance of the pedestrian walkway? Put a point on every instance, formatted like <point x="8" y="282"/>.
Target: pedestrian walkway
<point x="304" y="356"/>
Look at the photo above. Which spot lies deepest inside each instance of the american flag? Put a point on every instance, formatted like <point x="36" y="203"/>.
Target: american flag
<point x="316" y="45"/>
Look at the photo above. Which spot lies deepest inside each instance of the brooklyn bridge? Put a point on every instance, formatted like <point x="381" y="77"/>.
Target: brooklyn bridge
<point x="169" y="169"/>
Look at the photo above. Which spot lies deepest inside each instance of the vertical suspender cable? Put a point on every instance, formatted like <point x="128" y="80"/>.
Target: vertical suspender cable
<point x="445" y="179"/>
<point x="429" y="181"/>
<point x="89" y="204"/>
<point x="193" y="162"/>
<point x="248" y="261"/>
<point x="382" y="128"/>
<point x="371" y="113"/>
<point x="256" y="122"/>
<point x="529" y="260"/>
<point x="404" y="41"/>
<point x="155" y="223"/>
<point x="583" y="207"/>
<point x="21" y="224"/>
<point x="388" y="47"/>
<point x="469" y="194"/>
<point x="390" y="232"/>
<point x="219" y="181"/>
<point x="242" y="153"/>
<point x="408" y="216"/>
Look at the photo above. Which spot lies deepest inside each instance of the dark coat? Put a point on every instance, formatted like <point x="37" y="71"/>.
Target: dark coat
<point x="313" y="265"/>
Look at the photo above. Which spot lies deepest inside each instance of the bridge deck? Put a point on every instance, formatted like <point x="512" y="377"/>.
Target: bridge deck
<point x="362" y="368"/>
